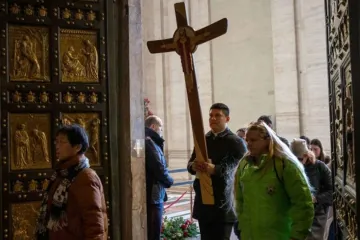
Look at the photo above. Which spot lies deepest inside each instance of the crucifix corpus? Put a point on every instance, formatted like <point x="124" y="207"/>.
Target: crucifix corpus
<point x="184" y="42"/>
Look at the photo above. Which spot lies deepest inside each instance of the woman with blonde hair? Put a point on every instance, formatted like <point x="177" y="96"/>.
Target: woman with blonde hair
<point x="320" y="178"/>
<point x="272" y="192"/>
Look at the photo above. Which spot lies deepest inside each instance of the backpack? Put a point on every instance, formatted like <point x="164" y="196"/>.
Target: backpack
<point x="278" y="168"/>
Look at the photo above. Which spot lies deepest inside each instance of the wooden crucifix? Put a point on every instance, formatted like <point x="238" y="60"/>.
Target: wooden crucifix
<point x="184" y="42"/>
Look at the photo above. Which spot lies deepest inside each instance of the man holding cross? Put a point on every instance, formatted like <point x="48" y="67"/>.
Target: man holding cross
<point x="213" y="186"/>
<point x="225" y="150"/>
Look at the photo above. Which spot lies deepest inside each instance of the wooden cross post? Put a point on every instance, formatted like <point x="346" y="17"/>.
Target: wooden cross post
<point x="184" y="42"/>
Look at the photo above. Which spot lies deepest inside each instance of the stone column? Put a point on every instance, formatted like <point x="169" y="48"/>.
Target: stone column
<point x="285" y="68"/>
<point x="153" y="63"/>
<point x="242" y="61"/>
<point x="199" y="16"/>
<point x="313" y="84"/>
<point x="131" y="123"/>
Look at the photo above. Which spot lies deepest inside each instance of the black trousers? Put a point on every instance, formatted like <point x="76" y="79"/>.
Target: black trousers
<point x="215" y="230"/>
<point x="154" y="220"/>
<point x="236" y="230"/>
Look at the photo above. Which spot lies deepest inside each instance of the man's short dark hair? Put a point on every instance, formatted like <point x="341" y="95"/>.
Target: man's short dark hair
<point x="241" y="130"/>
<point x="265" y="119"/>
<point x="150" y="120"/>
<point x="76" y="136"/>
<point x="225" y="109"/>
<point x="307" y="140"/>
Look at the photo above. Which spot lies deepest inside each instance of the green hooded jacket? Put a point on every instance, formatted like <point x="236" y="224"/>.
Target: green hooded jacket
<point x="269" y="208"/>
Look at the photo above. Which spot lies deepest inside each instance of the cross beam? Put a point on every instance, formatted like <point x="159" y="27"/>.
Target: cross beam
<point x="184" y="42"/>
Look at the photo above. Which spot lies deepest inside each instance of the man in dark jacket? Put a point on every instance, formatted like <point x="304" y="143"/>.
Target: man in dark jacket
<point x="267" y="120"/>
<point x="225" y="149"/>
<point x="157" y="175"/>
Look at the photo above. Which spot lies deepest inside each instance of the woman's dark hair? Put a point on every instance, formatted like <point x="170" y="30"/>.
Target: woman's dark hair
<point x="317" y="142"/>
<point x="241" y="130"/>
<point x="76" y="136"/>
<point x="307" y="140"/>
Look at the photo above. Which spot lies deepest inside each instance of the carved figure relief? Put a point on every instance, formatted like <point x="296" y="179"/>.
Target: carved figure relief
<point x="91" y="16"/>
<point x="29" y="53"/>
<point x="22" y="146"/>
<point x="339" y="125"/>
<point x="39" y="146"/>
<point x="29" y="144"/>
<point x="81" y="97"/>
<point x="79" y="62"/>
<point x="45" y="184"/>
<point x="66" y="14"/>
<point x="44" y="97"/>
<point x="24" y="217"/>
<point x="14" y="9"/>
<point x="31" y="97"/>
<point x="79" y="15"/>
<point x="349" y="124"/>
<point x="91" y="123"/>
<point x="72" y="67"/>
<point x="94" y="137"/>
<point x="16" y="97"/>
<point x="33" y="186"/>
<point x="93" y="98"/>
<point x="18" y="186"/>
<point x="68" y="97"/>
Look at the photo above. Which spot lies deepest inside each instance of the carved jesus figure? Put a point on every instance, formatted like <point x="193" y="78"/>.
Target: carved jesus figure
<point x="22" y="147"/>
<point x="92" y="64"/>
<point x="71" y="65"/>
<point x="39" y="146"/>
<point x="28" y="53"/>
<point x="94" y="135"/>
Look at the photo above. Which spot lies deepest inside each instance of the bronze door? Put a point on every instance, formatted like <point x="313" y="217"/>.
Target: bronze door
<point x="343" y="70"/>
<point x="53" y="68"/>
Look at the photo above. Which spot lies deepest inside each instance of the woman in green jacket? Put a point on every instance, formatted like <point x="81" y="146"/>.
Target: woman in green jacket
<point x="273" y="197"/>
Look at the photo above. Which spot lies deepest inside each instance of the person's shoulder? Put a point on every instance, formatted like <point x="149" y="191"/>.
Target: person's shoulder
<point x="87" y="181"/>
<point x="87" y="176"/>
<point x="148" y="139"/>
<point x="321" y="165"/>
<point x="232" y="136"/>
<point x="235" y="139"/>
<point x="149" y="143"/>
<point x="289" y="164"/>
